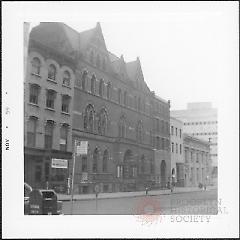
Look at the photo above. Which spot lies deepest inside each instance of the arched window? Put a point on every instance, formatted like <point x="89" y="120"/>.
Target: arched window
<point x="89" y="118"/>
<point x="139" y="104"/>
<point x="142" y="164"/>
<point x="125" y="98"/>
<point x="95" y="161"/>
<point x="119" y="95"/>
<point x="84" y="79"/>
<point x="103" y="64"/>
<point x="135" y="102"/>
<point x="109" y="90"/>
<point x="105" y="161"/>
<point x="50" y="98"/>
<point x="66" y="78"/>
<point x="139" y="132"/>
<point x="93" y="82"/>
<point x="36" y="66"/>
<point x="122" y="127"/>
<point x="102" y="122"/>
<point x="101" y="88"/>
<point x="98" y="61"/>
<point x="52" y="72"/>
<point x="91" y="56"/>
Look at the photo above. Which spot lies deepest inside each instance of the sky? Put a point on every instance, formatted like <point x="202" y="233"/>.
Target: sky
<point x="186" y="49"/>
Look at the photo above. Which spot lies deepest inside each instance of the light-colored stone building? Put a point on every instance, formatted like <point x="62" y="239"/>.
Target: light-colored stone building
<point x="196" y="161"/>
<point x="177" y="151"/>
<point x="200" y="121"/>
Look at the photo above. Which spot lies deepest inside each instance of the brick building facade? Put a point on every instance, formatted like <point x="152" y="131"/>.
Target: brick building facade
<point x="110" y="106"/>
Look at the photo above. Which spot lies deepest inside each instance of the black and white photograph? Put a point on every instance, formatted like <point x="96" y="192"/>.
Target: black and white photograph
<point x="120" y="119"/>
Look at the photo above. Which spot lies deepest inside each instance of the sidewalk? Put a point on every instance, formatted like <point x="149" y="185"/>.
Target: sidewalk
<point x="78" y="197"/>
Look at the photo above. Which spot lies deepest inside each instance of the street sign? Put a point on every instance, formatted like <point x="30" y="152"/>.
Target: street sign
<point x="82" y="148"/>
<point x="59" y="163"/>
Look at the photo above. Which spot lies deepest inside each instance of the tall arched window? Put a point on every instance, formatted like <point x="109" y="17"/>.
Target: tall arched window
<point x="66" y="78"/>
<point x="125" y="98"/>
<point x="93" y="82"/>
<point x="139" y="132"/>
<point x="109" y="90"/>
<point x="98" y="61"/>
<point x="91" y="56"/>
<point x="103" y="64"/>
<point x="95" y="160"/>
<point x="52" y="72"/>
<point x="135" y="102"/>
<point x="84" y="79"/>
<point x="101" y="87"/>
<point x="139" y="104"/>
<point x="89" y="118"/>
<point x="36" y="66"/>
<point x="142" y="164"/>
<point x="119" y="95"/>
<point x="102" y="122"/>
<point x="105" y="161"/>
<point x="122" y="127"/>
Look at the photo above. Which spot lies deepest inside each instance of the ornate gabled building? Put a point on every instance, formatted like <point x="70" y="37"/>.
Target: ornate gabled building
<point x="126" y="125"/>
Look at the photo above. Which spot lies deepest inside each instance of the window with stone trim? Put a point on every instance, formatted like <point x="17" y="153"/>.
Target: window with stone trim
<point x="95" y="161"/>
<point x="34" y="93"/>
<point x="36" y="66"/>
<point x="66" y="78"/>
<point x="51" y="95"/>
<point x="31" y="131"/>
<point x="84" y="80"/>
<point x="109" y="91"/>
<point x="65" y="103"/>
<point x="101" y="87"/>
<point x="105" y="161"/>
<point x="102" y="122"/>
<point x="49" y="134"/>
<point x="89" y="118"/>
<point x="52" y="71"/>
<point x="63" y="137"/>
<point x="93" y="84"/>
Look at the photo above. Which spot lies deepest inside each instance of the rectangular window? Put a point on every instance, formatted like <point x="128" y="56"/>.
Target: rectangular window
<point x="63" y="138"/>
<point x="84" y="164"/>
<point x="172" y="147"/>
<point x="31" y="132"/>
<point x="176" y="148"/>
<point x="176" y="131"/>
<point x="65" y="103"/>
<point x="180" y="133"/>
<point x="50" y="99"/>
<point x="34" y="91"/>
<point x="172" y="130"/>
<point x="180" y="149"/>
<point x="48" y="135"/>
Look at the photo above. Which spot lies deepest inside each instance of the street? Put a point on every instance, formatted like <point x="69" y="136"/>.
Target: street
<point x="202" y="202"/>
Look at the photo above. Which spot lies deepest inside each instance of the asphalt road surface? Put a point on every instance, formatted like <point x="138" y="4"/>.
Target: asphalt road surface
<point x="191" y="203"/>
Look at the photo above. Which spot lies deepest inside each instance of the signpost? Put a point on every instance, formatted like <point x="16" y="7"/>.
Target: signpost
<point x="80" y="148"/>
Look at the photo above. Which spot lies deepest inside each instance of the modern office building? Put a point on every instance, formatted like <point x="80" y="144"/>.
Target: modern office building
<point x="109" y="105"/>
<point x="200" y="121"/>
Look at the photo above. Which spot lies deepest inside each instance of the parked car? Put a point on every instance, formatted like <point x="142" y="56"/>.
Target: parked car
<point x="27" y="190"/>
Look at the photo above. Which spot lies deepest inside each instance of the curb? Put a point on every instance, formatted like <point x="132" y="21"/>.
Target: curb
<point x="168" y="193"/>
